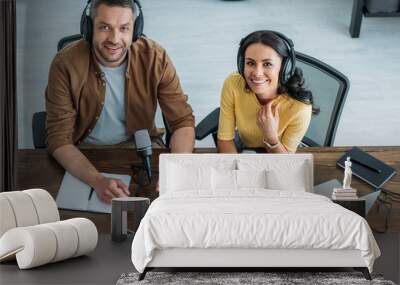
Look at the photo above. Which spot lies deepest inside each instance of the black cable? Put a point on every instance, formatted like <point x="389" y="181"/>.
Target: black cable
<point x="141" y="172"/>
<point x="386" y="200"/>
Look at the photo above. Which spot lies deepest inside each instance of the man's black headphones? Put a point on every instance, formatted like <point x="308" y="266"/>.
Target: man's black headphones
<point x="87" y="22"/>
<point x="288" y="62"/>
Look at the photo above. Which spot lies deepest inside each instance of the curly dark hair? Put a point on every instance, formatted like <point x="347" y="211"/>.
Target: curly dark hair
<point x="294" y="86"/>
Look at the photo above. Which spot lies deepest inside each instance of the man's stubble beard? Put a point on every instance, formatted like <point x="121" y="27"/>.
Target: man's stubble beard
<point x="104" y="56"/>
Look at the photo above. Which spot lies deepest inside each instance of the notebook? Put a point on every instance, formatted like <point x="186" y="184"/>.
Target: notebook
<point x="368" y="168"/>
<point x="75" y="194"/>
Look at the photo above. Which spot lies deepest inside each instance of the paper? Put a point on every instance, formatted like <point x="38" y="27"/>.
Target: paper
<point x="74" y="194"/>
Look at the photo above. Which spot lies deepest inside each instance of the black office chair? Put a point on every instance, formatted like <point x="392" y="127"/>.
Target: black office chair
<point x="67" y="40"/>
<point x="39" y="130"/>
<point x="329" y="87"/>
<point x="39" y="118"/>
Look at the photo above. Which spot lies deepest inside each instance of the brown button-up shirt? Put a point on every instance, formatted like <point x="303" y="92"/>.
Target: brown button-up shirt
<point x="76" y="91"/>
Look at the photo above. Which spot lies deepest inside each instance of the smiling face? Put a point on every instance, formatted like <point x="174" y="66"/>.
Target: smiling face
<point x="112" y="34"/>
<point x="262" y="65"/>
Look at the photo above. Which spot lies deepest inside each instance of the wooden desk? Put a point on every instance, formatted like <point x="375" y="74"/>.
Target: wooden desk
<point x="37" y="169"/>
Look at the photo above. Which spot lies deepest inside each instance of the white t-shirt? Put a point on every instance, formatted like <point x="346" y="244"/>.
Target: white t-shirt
<point x="111" y="125"/>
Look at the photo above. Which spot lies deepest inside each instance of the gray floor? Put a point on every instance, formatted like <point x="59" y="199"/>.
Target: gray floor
<point x="111" y="259"/>
<point x="104" y="265"/>
<point x="202" y="39"/>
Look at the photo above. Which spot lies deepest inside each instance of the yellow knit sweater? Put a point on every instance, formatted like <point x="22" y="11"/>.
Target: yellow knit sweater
<point x="239" y="110"/>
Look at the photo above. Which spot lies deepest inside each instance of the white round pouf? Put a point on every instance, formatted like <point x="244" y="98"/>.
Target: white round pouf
<point x="23" y="208"/>
<point x="67" y="239"/>
<point x="7" y="216"/>
<point x="87" y="235"/>
<point x="46" y="207"/>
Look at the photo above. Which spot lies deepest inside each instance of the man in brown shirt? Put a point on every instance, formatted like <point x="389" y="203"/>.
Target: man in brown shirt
<point x="76" y="101"/>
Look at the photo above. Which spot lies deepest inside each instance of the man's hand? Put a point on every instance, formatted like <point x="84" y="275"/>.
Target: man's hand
<point x="109" y="188"/>
<point x="72" y="159"/>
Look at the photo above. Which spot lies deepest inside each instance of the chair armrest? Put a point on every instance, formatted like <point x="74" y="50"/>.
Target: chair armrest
<point x="208" y="125"/>
<point x="307" y="142"/>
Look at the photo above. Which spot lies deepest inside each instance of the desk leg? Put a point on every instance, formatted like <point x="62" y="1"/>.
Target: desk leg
<point x="356" y="18"/>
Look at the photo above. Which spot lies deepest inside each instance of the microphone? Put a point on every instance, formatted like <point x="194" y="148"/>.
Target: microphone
<point x="143" y="147"/>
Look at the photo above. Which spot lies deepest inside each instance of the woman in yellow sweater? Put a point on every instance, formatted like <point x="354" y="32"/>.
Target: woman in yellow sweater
<point x="265" y="101"/>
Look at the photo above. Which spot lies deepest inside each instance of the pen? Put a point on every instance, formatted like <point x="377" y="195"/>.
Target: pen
<point x="91" y="193"/>
<point x="366" y="165"/>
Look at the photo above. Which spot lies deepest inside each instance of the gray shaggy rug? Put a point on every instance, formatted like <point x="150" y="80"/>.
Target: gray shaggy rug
<point x="230" y="278"/>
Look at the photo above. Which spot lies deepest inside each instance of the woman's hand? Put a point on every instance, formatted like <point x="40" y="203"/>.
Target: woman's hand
<point x="268" y="122"/>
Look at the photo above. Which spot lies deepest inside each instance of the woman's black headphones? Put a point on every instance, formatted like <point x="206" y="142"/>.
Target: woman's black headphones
<point x="87" y="23"/>
<point x="288" y="62"/>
